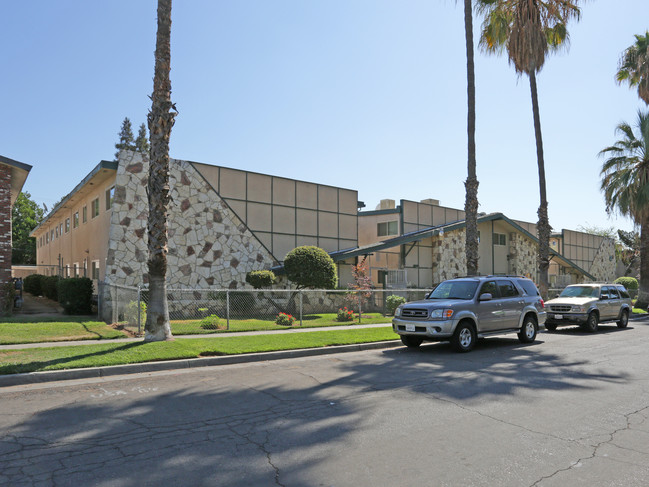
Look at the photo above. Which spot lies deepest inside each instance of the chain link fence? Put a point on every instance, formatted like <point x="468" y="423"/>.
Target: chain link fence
<point x="213" y="310"/>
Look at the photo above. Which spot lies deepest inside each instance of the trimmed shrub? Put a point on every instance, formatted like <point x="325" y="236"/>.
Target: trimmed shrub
<point x="75" y="295"/>
<point x="211" y="322"/>
<point x="48" y="286"/>
<point x="33" y="284"/>
<point x="631" y="283"/>
<point x="260" y="279"/>
<point x="310" y="267"/>
<point x="130" y="313"/>
<point x="285" y="319"/>
<point x="392" y="302"/>
<point x="344" y="314"/>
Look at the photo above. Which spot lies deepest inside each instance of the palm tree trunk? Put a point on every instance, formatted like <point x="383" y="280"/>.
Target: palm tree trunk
<point x="643" y="292"/>
<point x="160" y="119"/>
<point x="471" y="183"/>
<point x="544" y="227"/>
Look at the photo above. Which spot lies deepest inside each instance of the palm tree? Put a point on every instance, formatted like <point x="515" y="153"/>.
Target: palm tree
<point x="633" y="67"/>
<point x="471" y="183"/>
<point x="625" y="183"/>
<point x="528" y="30"/>
<point x="160" y="119"/>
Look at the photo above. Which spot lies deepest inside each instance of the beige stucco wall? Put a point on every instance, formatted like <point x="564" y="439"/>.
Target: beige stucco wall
<point x="86" y="243"/>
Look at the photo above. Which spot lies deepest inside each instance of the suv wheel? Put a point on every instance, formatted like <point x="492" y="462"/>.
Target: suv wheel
<point x="528" y="330"/>
<point x="464" y="337"/>
<point x="410" y="341"/>
<point x="624" y="320"/>
<point x="592" y="323"/>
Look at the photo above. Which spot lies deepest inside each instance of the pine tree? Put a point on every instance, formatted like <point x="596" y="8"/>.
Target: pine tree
<point x="142" y="141"/>
<point x="125" y="138"/>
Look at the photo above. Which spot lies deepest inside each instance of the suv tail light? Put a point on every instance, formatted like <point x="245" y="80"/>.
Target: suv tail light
<point x="542" y="303"/>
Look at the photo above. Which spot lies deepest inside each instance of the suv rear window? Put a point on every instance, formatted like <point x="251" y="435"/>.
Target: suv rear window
<point x="623" y="292"/>
<point x="529" y="287"/>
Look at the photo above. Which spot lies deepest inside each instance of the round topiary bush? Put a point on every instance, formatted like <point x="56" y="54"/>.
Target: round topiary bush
<point x="260" y="279"/>
<point x="631" y="283"/>
<point x="310" y="267"/>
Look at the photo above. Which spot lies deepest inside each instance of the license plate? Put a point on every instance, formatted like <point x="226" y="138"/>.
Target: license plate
<point x="558" y="317"/>
<point x="410" y="327"/>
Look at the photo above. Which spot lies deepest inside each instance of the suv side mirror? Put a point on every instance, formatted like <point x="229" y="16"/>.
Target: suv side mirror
<point x="485" y="297"/>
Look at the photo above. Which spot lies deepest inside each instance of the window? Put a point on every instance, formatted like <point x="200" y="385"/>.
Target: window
<point x="94" y="207"/>
<point x="61" y="229"/>
<point x="489" y="287"/>
<point x="75" y="221"/>
<point x="500" y="239"/>
<point x="47" y="238"/>
<point x="67" y="225"/>
<point x="110" y="194"/>
<point x="387" y="228"/>
<point x="85" y="214"/>
<point x="75" y="268"/>
<point x="52" y="235"/>
<point x="95" y="268"/>
<point x="507" y="289"/>
<point x="56" y="231"/>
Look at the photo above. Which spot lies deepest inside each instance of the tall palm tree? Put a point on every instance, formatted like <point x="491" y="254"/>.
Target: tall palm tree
<point x="633" y="67"/>
<point x="528" y="30"/>
<point x="160" y="119"/>
<point x="625" y="183"/>
<point x="471" y="183"/>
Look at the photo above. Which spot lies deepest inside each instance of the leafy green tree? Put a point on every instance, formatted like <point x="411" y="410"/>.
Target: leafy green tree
<point x="471" y="183"/>
<point x="633" y="67"/>
<point x="310" y="267"/>
<point x="161" y="120"/>
<point x="625" y="184"/>
<point x="528" y="30"/>
<point x="142" y="141"/>
<point x="26" y="215"/>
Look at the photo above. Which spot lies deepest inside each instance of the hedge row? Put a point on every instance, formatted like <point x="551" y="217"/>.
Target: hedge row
<point x="74" y="294"/>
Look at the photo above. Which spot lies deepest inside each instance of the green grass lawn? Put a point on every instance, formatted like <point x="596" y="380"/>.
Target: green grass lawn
<point x="71" y="357"/>
<point x="52" y="331"/>
<point x="193" y="327"/>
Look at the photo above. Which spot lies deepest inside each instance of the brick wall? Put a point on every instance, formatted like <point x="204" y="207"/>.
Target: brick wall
<point x="5" y="224"/>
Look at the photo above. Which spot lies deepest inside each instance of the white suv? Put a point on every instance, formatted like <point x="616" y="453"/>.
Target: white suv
<point x="587" y="305"/>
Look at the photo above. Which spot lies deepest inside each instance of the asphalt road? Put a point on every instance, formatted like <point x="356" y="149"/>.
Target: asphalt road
<point x="569" y="410"/>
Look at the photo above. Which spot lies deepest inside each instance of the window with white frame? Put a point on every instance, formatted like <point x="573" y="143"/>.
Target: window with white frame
<point x="94" y="268"/>
<point x="500" y="239"/>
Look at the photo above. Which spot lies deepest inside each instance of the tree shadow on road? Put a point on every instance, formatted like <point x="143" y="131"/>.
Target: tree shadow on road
<point x="258" y="424"/>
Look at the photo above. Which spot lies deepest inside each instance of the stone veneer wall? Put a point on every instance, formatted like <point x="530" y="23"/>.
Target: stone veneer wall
<point x="603" y="267"/>
<point x="523" y="258"/>
<point x="5" y="225"/>
<point x="209" y="246"/>
<point x="449" y="257"/>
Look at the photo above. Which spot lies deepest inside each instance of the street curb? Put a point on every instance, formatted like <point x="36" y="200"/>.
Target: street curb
<point x="113" y="370"/>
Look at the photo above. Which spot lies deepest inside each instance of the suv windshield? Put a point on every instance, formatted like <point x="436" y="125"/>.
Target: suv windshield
<point x="454" y="290"/>
<point x="580" y="292"/>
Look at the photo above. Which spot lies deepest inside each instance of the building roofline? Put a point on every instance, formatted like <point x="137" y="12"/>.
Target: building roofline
<point x="19" y="173"/>
<point x="102" y="165"/>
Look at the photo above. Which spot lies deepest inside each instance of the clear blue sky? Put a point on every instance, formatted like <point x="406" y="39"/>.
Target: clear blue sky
<point x="362" y="94"/>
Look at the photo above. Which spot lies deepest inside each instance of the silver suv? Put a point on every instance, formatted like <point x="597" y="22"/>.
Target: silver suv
<point x="464" y="309"/>
<point x="589" y="304"/>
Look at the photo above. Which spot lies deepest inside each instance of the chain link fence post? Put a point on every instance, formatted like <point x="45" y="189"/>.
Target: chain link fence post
<point x="301" y="308"/>
<point x="227" y="309"/>
<point x="360" y="310"/>
<point x="139" y="309"/>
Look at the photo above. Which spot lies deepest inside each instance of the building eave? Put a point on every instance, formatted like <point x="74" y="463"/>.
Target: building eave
<point x="19" y="173"/>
